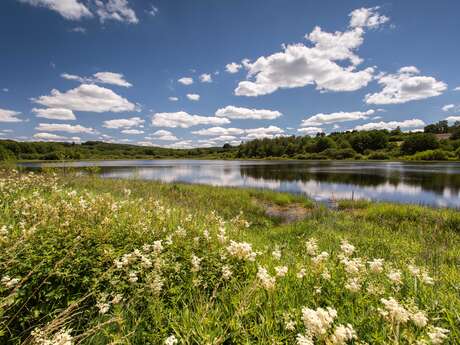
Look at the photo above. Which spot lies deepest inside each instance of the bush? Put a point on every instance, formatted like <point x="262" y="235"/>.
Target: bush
<point x="379" y="155"/>
<point x="339" y="154"/>
<point x="419" y="142"/>
<point x="431" y="155"/>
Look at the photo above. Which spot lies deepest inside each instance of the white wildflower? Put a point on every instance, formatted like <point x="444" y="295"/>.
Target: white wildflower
<point x="171" y="340"/>
<point x="9" y="282"/>
<point x="312" y="247"/>
<point x="103" y="307"/>
<point x="132" y="277"/>
<point x="437" y="335"/>
<point x="226" y="272"/>
<point x="318" y="321"/>
<point x="320" y="258"/>
<point x="353" y="266"/>
<point x="394" y="312"/>
<point x="196" y="263"/>
<point x="289" y="325"/>
<point x="302" y="273"/>
<point x="157" y="247"/>
<point x="343" y="334"/>
<point x="376" y="265"/>
<point x="117" y="298"/>
<point x="267" y="281"/>
<point x="353" y="285"/>
<point x="419" y="318"/>
<point x="347" y="248"/>
<point x="276" y="254"/>
<point x="241" y="250"/>
<point x="395" y="276"/>
<point x="304" y="340"/>
<point x="425" y="278"/>
<point x="281" y="271"/>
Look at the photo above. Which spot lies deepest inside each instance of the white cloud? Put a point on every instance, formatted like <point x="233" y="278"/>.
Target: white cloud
<point x="329" y="63"/>
<point x="233" y="67"/>
<point x="9" y="115"/>
<point x="61" y="127"/>
<point x="153" y="11"/>
<point x="86" y="97"/>
<point x="54" y="113"/>
<point x="123" y="123"/>
<point x="193" y="97"/>
<point x="413" y="123"/>
<point x="233" y="112"/>
<point x="206" y="78"/>
<point x="5" y="89"/>
<point x="341" y="116"/>
<point x="448" y="107"/>
<point x="112" y="78"/>
<point x="405" y="86"/>
<point x="132" y="131"/>
<point x="184" y="144"/>
<point x="219" y="131"/>
<point x="173" y="99"/>
<point x="367" y="17"/>
<point x="310" y="130"/>
<point x="118" y="10"/>
<point x="457" y="88"/>
<point x="263" y="132"/>
<point x="100" y="77"/>
<point x="69" y="9"/>
<point x="164" y="135"/>
<point x="54" y="137"/>
<point x="184" y="120"/>
<point x="453" y="118"/>
<point x="185" y="81"/>
<point x="79" y="29"/>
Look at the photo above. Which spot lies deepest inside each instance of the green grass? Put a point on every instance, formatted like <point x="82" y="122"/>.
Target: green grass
<point x="64" y="236"/>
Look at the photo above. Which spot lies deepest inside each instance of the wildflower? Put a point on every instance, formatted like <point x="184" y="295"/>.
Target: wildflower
<point x="171" y="340"/>
<point x="117" y="298"/>
<point x="326" y="274"/>
<point x="221" y="236"/>
<point x="156" y="284"/>
<point x="9" y="282"/>
<point x="62" y="337"/>
<point x="304" y="340"/>
<point x="427" y="279"/>
<point x="343" y="334"/>
<point x="157" y="247"/>
<point x="318" y="321"/>
<point x="241" y="250"/>
<point x="196" y="262"/>
<point x="414" y="270"/>
<point x="127" y="192"/>
<point x="312" y="247"/>
<point x="132" y="277"/>
<point x="395" y="276"/>
<point x="289" y="325"/>
<point x="267" y="281"/>
<point x="226" y="272"/>
<point x="320" y="258"/>
<point x="376" y="265"/>
<point x="347" y="248"/>
<point x="353" y="266"/>
<point x="394" y="312"/>
<point x="437" y="335"/>
<point x="353" y="285"/>
<point x="419" y="318"/>
<point x="103" y="307"/>
<point x="146" y="262"/>
<point x="302" y="273"/>
<point x="206" y="234"/>
<point x="281" y="271"/>
<point x="276" y="254"/>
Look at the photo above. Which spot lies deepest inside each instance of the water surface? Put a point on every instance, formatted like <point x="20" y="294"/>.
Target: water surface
<point x="435" y="184"/>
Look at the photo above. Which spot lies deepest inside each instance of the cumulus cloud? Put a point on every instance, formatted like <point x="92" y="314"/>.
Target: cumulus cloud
<point x="185" y="81"/>
<point x="9" y="115"/>
<point x="117" y="10"/>
<point x="86" y="97"/>
<point x="413" y="123"/>
<point x="123" y="123"/>
<point x="69" y="9"/>
<point x="61" y="127"/>
<point x="54" y="113"/>
<point x="310" y="130"/>
<point x="341" y="116"/>
<point x="193" y="97"/>
<point x="367" y="17"/>
<point x="233" y="67"/>
<point x="173" y="99"/>
<point x="184" y="120"/>
<point x="249" y="134"/>
<point x="206" y="78"/>
<point x="233" y="112"/>
<point x="100" y="77"/>
<point x="164" y="135"/>
<point x="78" y="29"/>
<point x="329" y="62"/>
<point x="453" y="118"/>
<point x="457" y="88"/>
<point x="449" y="107"/>
<point x="132" y="131"/>
<point x="54" y="137"/>
<point x="404" y="86"/>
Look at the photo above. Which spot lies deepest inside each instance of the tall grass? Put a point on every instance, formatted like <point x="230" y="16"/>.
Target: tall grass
<point x="91" y="261"/>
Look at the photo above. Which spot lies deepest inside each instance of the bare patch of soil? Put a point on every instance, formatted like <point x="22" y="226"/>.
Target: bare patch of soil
<point x="288" y="214"/>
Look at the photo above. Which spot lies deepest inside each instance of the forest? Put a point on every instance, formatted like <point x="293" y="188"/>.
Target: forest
<point x="439" y="141"/>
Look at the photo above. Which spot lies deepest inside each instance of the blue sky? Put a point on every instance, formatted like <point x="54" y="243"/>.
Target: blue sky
<point x="202" y="73"/>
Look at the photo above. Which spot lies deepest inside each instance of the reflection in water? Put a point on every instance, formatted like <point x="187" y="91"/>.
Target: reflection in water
<point x="436" y="184"/>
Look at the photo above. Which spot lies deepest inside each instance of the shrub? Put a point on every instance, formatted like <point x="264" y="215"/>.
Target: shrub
<point x="431" y="155"/>
<point x="419" y="142"/>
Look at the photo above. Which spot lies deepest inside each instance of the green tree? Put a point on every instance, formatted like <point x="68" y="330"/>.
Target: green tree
<point x="419" y="142"/>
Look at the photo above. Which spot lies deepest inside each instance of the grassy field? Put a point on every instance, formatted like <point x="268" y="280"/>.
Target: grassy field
<point x="91" y="261"/>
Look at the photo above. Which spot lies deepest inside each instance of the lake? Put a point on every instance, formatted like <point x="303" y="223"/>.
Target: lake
<point x="435" y="184"/>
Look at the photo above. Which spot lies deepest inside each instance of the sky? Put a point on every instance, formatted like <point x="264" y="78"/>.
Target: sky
<point x="182" y="73"/>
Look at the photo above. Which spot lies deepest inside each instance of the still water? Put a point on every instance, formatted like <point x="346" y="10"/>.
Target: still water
<point x="436" y="184"/>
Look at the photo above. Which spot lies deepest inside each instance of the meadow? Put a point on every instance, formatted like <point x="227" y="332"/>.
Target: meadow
<point x="85" y="260"/>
